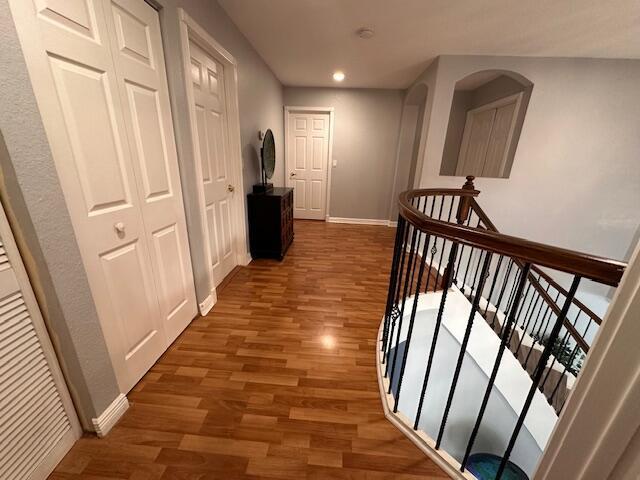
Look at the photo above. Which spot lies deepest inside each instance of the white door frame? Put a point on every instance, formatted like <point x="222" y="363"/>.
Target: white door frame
<point x="190" y="30"/>
<point x="517" y="98"/>
<point x="288" y="110"/>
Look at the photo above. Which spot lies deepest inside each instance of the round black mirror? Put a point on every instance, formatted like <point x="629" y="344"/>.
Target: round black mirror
<point x="268" y="154"/>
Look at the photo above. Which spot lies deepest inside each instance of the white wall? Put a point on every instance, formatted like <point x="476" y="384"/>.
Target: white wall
<point x="575" y="180"/>
<point x="367" y="124"/>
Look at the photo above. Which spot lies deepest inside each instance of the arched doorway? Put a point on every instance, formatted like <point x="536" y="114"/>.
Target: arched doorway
<point x="411" y="129"/>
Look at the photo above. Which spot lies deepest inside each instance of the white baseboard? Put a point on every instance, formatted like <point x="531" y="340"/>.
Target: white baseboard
<point x="246" y="259"/>
<point x="362" y="221"/>
<point x="207" y="304"/>
<point x="110" y="416"/>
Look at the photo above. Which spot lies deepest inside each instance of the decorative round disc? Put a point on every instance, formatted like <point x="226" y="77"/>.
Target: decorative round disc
<point x="268" y="153"/>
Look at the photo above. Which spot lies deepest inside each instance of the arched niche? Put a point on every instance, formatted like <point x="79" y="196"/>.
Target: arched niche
<point x="486" y="117"/>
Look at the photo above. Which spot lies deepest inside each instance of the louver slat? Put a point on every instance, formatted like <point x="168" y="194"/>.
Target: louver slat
<point x="32" y="416"/>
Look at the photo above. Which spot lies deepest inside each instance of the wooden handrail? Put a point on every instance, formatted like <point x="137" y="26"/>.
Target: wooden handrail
<point x="487" y="237"/>
<point x="593" y="267"/>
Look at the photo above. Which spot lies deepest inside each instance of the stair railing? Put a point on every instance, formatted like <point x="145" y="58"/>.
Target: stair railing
<point x="444" y="240"/>
<point x="544" y="304"/>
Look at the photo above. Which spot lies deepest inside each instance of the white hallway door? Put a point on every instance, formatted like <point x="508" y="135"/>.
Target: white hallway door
<point x="98" y="73"/>
<point x="207" y="78"/>
<point x="39" y="424"/>
<point x="307" y="162"/>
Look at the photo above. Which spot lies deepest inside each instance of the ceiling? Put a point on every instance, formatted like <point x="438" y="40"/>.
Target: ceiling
<point x="305" y="41"/>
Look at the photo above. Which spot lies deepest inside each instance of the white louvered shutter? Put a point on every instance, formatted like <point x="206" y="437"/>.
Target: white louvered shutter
<point x="37" y="423"/>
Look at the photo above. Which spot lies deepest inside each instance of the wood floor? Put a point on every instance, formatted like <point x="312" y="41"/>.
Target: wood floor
<point x="278" y="381"/>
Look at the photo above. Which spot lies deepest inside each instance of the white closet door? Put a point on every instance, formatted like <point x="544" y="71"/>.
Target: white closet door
<point x="211" y="129"/>
<point x="499" y="141"/>
<point x="112" y="173"/>
<point x="134" y="30"/>
<point x="37" y="422"/>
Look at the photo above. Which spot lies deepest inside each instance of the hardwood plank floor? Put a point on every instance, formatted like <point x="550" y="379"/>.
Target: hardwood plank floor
<point x="278" y="381"/>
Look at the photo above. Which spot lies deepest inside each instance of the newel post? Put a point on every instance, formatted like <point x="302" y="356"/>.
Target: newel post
<point x="465" y="201"/>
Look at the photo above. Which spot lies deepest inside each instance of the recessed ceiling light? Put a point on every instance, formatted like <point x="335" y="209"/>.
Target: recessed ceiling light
<point x="338" y="76"/>
<point x="365" y="33"/>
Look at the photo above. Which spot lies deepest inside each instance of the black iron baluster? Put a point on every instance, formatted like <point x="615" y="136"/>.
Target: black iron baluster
<point x="476" y="272"/>
<point x="493" y="285"/>
<point x="513" y="290"/>
<point x="410" y="330"/>
<point x="463" y="347"/>
<point x="526" y="326"/>
<point x="502" y="290"/>
<point x="461" y="250"/>
<point x="494" y="373"/>
<point x="396" y="313"/>
<point x="533" y="335"/>
<point x="435" y="241"/>
<point x="541" y="333"/>
<point x="520" y="310"/>
<point x="404" y="300"/>
<point x="442" y="249"/>
<point x="538" y="375"/>
<point x="563" y="345"/>
<point x="393" y="279"/>
<point x="445" y="288"/>
<point x="507" y="311"/>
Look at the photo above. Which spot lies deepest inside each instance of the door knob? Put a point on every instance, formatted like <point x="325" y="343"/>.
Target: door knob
<point x="292" y="174"/>
<point x="231" y="188"/>
<point x="119" y="227"/>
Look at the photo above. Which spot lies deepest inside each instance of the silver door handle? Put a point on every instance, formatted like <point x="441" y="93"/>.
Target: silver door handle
<point x="119" y="227"/>
<point x="292" y="174"/>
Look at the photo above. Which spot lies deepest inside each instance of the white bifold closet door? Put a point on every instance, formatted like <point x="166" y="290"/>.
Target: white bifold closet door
<point x="37" y="422"/>
<point x="97" y="68"/>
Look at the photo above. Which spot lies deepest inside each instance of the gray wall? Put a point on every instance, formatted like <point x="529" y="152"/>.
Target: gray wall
<point x="260" y="102"/>
<point x="31" y="195"/>
<point x="406" y="148"/>
<point x="575" y="180"/>
<point x="367" y="123"/>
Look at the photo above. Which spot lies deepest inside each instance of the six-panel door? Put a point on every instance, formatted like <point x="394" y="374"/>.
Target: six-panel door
<point x="307" y="163"/>
<point x="207" y="81"/>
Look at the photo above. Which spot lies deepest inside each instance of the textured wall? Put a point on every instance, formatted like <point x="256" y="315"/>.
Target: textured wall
<point x="366" y="129"/>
